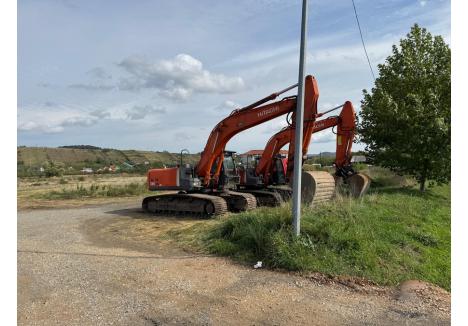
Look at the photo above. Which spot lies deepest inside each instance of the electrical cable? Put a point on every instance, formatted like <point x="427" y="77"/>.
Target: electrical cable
<point x="362" y="40"/>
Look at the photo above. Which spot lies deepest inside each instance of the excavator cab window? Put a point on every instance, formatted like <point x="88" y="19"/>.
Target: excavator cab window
<point x="228" y="173"/>
<point x="278" y="172"/>
<point x="229" y="164"/>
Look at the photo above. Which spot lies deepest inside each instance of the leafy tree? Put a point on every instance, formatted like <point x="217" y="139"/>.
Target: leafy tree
<point x="405" y="121"/>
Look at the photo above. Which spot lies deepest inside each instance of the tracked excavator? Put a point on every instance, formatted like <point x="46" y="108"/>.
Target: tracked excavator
<point x="271" y="172"/>
<point x="206" y="189"/>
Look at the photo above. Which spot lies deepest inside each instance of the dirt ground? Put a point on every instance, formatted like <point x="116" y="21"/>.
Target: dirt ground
<point x="110" y="264"/>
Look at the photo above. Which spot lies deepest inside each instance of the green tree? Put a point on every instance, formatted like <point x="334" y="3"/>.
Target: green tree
<point x="405" y="120"/>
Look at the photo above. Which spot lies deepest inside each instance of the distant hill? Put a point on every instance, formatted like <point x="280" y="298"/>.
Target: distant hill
<point x="72" y="159"/>
<point x="81" y="147"/>
<point x="80" y="156"/>
<point x="322" y="154"/>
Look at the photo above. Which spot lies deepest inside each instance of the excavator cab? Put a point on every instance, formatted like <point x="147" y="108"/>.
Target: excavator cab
<point x="278" y="177"/>
<point x="229" y="175"/>
<point x="248" y="177"/>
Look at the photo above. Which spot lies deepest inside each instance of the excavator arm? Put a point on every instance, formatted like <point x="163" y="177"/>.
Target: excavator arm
<point x="245" y="118"/>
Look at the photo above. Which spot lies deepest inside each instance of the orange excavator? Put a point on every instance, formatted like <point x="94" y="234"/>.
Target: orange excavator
<point x="206" y="189"/>
<point x="272" y="170"/>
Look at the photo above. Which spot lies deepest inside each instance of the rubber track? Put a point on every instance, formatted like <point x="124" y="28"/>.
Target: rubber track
<point x="265" y="197"/>
<point x="251" y="201"/>
<point x="285" y="192"/>
<point x="219" y="204"/>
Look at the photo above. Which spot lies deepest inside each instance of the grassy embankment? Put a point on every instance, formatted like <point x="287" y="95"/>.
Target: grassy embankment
<point x="394" y="233"/>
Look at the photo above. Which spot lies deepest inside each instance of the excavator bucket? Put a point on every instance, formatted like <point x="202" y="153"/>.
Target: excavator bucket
<point x="358" y="184"/>
<point x="317" y="186"/>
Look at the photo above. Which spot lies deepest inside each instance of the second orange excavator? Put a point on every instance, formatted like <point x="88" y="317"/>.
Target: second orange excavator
<point x="272" y="170"/>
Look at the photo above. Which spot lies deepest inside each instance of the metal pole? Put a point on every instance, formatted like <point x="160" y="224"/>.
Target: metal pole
<point x="296" y="211"/>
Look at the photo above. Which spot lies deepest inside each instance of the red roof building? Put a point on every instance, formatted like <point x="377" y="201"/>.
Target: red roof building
<point x="260" y="152"/>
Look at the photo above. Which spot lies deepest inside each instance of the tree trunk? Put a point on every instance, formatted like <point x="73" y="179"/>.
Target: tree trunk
<point x="422" y="184"/>
<point x="422" y="180"/>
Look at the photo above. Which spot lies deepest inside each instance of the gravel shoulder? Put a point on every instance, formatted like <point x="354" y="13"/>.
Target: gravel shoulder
<point x="110" y="264"/>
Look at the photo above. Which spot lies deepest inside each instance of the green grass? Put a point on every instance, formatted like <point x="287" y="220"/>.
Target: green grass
<point x="390" y="235"/>
<point x="95" y="191"/>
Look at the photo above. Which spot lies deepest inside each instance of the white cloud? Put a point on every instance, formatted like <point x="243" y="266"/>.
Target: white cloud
<point x="274" y="126"/>
<point x="101" y="114"/>
<point x="99" y="73"/>
<point x="177" y="93"/>
<point x="325" y="136"/>
<point x="140" y="112"/>
<point x="46" y="118"/>
<point x="177" y="78"/>
<point x="422" y="2"/>
<point x="92" y="87"/>
<point x="228" y="105"/>
<point x="46" y="124"/>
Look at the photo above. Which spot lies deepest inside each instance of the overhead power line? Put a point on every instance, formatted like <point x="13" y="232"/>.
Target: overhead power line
<point x="362" y="40"/>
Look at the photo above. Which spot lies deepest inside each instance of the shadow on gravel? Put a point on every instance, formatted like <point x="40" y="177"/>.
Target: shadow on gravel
<point x="129" y="212"/>
<point x="138" y="213"/>
<point x="134" y="229"/>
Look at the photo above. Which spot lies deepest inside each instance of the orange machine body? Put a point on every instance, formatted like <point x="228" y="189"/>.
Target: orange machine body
<point x="163" y="179"/>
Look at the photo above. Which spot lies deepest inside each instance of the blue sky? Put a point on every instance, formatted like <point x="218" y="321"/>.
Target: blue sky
<point x="159" y="75"/>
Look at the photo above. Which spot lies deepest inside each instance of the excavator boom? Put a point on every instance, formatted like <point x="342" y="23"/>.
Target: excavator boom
<point x="245" y="118"/>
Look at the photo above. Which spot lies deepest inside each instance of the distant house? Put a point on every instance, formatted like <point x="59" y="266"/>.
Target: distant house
<point x="87" y="170"/>
<point x="259" y="152"/>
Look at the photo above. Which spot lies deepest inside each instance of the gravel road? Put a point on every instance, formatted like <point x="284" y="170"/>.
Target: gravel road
<point x="79" y="267"/>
